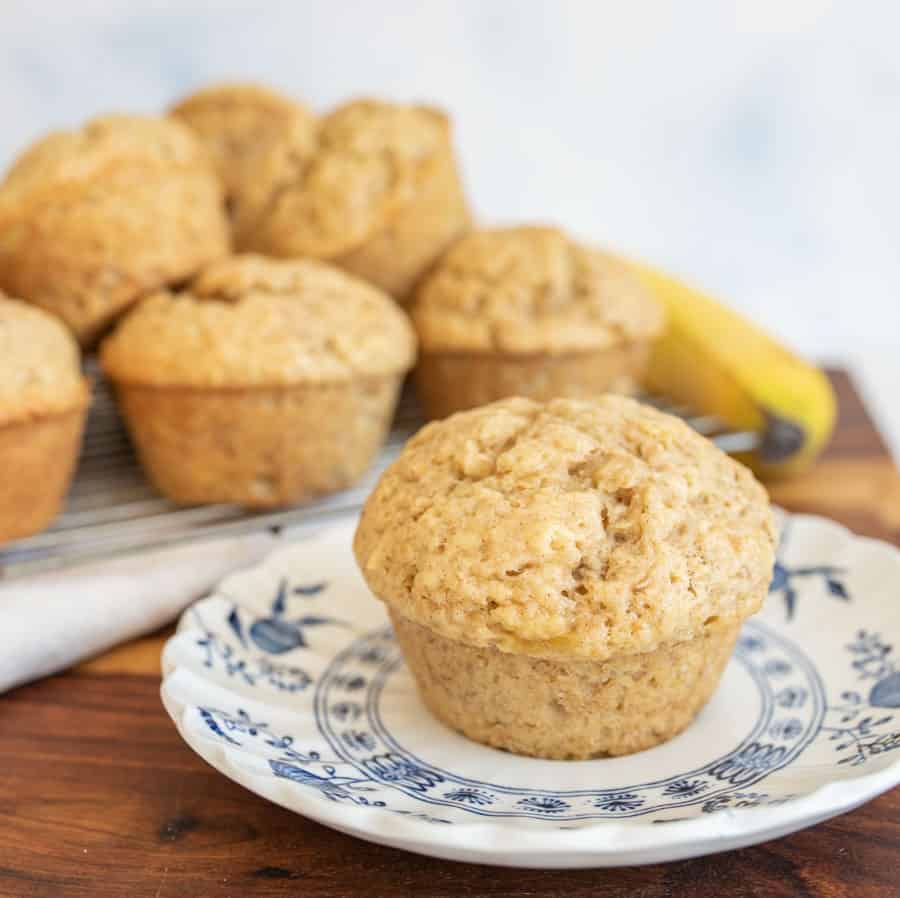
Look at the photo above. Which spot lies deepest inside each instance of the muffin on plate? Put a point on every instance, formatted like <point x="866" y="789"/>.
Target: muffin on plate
<point x="375" y="190"/>
<point x="263" y="383"/>
<point x="43" y="404"/>
<point x="236" y="123"/>
<point x="566" y="579"/>
<point x="526" y="311"/>
<point x="91" y="219"/>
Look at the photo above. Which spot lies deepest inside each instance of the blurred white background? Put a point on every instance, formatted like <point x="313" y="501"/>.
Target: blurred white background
<point x="751" y="146"/>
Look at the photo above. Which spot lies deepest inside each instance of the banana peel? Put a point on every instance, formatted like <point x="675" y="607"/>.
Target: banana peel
<point x="717" y="362"/>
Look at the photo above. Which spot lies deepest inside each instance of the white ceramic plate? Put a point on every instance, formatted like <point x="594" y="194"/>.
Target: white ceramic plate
<point x="289" y="682"/>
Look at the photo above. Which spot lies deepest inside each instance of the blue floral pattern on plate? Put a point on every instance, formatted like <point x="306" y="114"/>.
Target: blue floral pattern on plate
<point x="300" y="668"/>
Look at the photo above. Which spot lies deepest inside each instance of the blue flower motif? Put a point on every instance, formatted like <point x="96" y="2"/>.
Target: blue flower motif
<point x="786" y="729"/>
<point x="619" y="802"/>
<point x="886" y="693"/>
<point x="751" y="644"/>
<point x="874" y="660"/>
<point x="776" y="667"/>
<point x="760" y="756"/>
<point x="736" y="800"/>
<point x="391" y="768"/>
<point x="783" y="582"/>
<point x="719" y="803"/>
<point x="222" y="723"/>
<point x="276" y="634"/>
<point x="372" y="655"/>
<point x="686" y="788"/>
<point x="543" y="804"/>
<point x="358" y="740"/>
<point x="351" y="684"/>
<point x="469" y="795"/>
<point x="345" y="711"/>
<point x="284" y="677"/>
<point x="746" y="765"/>
<point x="791" y="697"/>
<point x="331" y="786"/>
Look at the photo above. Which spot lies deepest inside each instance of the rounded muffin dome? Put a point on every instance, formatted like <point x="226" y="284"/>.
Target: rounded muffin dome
<point x="324" y="194"/>
<point x="236" y="122"/>
<point x="93" y="218"/>
<point x="40" y="367"/>
<point x="531" y="290"/>
<point x="73" y="157"/>
<point x="250" y="321"/>
<point x="567" y="529"/>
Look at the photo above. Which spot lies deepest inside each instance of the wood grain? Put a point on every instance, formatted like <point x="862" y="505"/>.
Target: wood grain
<point x="99" y="797"/>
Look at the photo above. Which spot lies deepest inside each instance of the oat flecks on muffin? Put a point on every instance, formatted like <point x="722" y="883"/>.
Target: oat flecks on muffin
<point x="91" y="219"/>
<point x="251" y="321"/>
<point x="237" y="122"/>
<point x="374" y="189"/>
<point x="567" y="529"/>
<point x="43" y="404"/>
<point x="69" y="158"/>
<point x="265" y="383"/>
<point x="40" y="369"/>
<point x="326" y="198"/>
<point x="531" y="290"/>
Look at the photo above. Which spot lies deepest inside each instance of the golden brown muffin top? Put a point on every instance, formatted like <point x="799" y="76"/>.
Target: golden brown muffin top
<point x="236" y="122"/>
<point x="324" y="193"/>
<point x="567" y="529"/>
<point x="249" y="321"/>
<point x="40" y="366"/>
<point x="65" y="160"/>
<point x="531" y="290"/>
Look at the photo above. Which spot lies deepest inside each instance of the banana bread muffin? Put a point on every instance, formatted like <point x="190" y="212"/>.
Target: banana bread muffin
<point x="43" y="404"/>
<point x="263" y="383"/>
<point x="236" y="123"/>
<point x="528" y="312"/>
<point x="375" y="191"/>
<point x="566" y="579"/>
<point x="91" y="219"/>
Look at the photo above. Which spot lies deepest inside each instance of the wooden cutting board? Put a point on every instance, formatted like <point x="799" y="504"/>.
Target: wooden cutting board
<point x="99" y="796"/>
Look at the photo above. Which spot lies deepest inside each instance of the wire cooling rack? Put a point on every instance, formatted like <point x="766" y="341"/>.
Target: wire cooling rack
<point x="112" y="510"/>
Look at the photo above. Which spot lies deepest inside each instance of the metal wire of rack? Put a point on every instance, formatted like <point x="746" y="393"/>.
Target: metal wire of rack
<point x="112" y="510"/>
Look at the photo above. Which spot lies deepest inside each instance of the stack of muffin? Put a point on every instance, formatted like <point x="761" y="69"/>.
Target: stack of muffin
<point x="567" y="572"/>
<point x="245" y="267"/>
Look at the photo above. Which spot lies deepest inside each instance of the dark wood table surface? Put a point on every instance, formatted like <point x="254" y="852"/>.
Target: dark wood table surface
<point x="100" y="797"/>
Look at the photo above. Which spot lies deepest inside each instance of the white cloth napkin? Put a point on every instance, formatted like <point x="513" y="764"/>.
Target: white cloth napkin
<point x="50" y="621"/>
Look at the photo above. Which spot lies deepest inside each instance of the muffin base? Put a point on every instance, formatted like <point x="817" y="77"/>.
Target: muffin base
<point x="401" y="252"/>
<point x="451" y="382"/>
<point x="257" y="447"/>
<point x="564" y="710"/>
<point x="37" y="460"/>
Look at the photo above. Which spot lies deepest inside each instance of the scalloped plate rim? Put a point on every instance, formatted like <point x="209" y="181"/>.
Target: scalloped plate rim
<point x="519" y="842"/>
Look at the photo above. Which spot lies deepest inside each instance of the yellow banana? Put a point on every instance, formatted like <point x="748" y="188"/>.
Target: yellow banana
<point x="719" y="363"/>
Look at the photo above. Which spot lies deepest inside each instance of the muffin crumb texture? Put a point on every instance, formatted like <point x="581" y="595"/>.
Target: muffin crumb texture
<point x="531" y="291"/>
<point x="264" y="383"/>
<point x="373" y="189"/>
<point x="568" y="710"/>
<point x="328" y="191"/>
<point x="91" y="219"/>
<point x="43" y="405"/>
<point x="567" y="529"/>
<point x="250" y="321"/>
<point x="237" y="123"/>
<point x="40" y="366"/>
